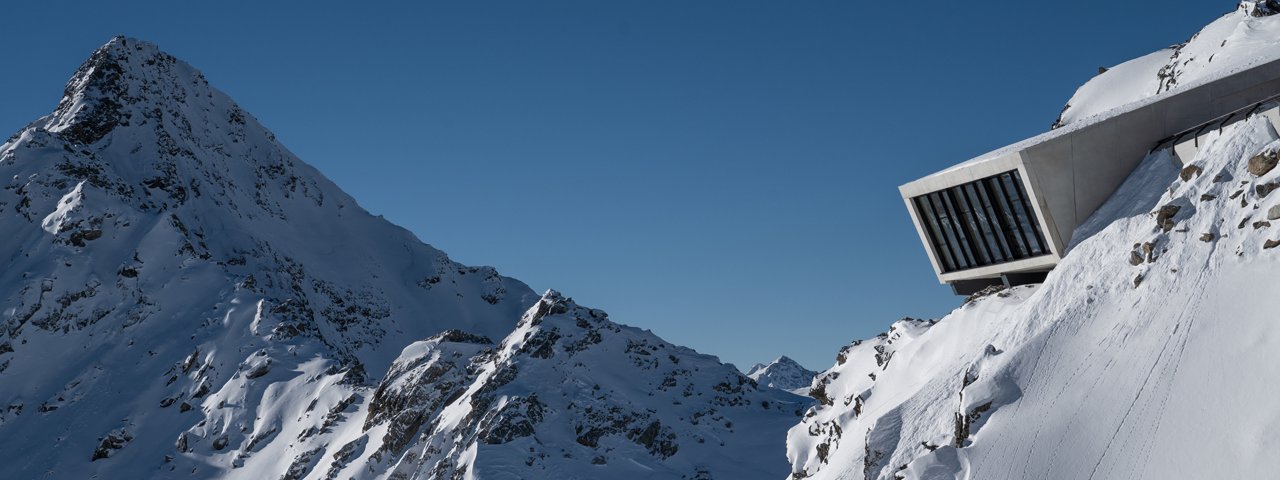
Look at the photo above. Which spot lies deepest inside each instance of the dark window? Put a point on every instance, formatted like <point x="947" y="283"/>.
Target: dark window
<point x="986" y="222"/>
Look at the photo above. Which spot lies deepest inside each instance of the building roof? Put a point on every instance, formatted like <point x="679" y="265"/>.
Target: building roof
<point x="1103" y="117"/>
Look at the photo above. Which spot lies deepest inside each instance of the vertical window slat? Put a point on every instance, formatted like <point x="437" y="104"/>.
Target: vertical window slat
<point x="1011" y="216"/>
<point x="1031" y="217"/>
<point x="984" y="224"/>
<point x="957" y="225"/>
<point x="995" y="222"/>
<point x="1019" y="209"/>
<point x="929" y="223"/>
<point x="953" y="238"/>
<point x="976" y="243"/>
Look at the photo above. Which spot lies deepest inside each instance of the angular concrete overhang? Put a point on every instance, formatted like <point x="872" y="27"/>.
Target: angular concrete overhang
<point x="1010" y="162"/>
<point x="1069" y="172"/>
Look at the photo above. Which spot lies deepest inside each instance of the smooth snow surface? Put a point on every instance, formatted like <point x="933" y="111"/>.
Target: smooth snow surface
<point x="1122" y="84"/>
<point x="183" y="297"/>
<point x="1109" y="370"/>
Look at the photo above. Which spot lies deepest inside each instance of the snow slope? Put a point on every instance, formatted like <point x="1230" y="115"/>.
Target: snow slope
<point x="1146" y="354"/>
<point x="783" y="373"/>
<point x="1249" y="35"/>
<point x="181" y="295"/>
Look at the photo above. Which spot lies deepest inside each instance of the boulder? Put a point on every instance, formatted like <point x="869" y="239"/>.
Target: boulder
<point x="1266" y="189"/>
<point x="1164" y="217"/>
<point x="110" y="443"/>
<point x="1263" y="162"/>
<point x="1191" y="171"/>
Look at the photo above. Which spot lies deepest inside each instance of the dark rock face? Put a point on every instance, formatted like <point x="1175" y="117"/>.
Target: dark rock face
<point x="99" y="112"/>
<point x="110" y="443"/>
<point x="1261" y="8"/>
<point x="417" y="388"/>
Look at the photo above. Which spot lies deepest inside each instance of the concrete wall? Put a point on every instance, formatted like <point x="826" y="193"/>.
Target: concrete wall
<point x="1068" y="176"/>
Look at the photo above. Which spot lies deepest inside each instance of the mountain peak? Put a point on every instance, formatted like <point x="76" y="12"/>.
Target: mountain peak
<point x="783" y="373"/>
<point x="121" y="79"/>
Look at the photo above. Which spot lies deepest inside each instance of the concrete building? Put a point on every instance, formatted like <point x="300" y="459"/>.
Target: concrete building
<point x="1007" y="217"/>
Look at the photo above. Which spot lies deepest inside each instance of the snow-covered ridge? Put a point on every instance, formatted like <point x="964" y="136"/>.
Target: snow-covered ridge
<point x="570" y="394"/>
<point x="1236" y="42"/>
<point x="194" y="281"/>
<point x="181" y="295"/>
<point x="1248" y="36"/>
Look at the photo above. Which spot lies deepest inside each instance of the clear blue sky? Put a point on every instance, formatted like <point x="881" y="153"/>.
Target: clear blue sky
<point x="722" y="172"/>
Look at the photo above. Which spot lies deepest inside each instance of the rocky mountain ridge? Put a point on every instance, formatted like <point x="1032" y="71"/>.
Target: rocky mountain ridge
<point x="184" y="296"/>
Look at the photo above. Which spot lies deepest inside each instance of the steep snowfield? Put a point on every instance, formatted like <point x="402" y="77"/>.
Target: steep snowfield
<point x="1147" y="353"/>
<point x="783" y="373"/>
<point x="181" y="296"/>
<point x="1248" y="36"/>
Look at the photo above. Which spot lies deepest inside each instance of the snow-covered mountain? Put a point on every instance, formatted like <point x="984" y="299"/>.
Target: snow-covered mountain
<point x="1147" y="353"/>
<point x="570" y="394"/>
<point x="183" y="296"/>
<point x="783" y="373"/>
<point x="1248" y="36"/>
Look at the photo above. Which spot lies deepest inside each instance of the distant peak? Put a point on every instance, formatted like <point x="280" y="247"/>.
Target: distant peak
<point x="122" y="72"/>
<point x="783" y="373"/>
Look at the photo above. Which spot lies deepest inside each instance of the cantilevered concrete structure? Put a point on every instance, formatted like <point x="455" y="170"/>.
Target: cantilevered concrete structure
<point x="1007" y="216"/>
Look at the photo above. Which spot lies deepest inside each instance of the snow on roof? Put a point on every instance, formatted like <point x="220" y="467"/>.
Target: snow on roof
<point x="1234" y="43"/>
